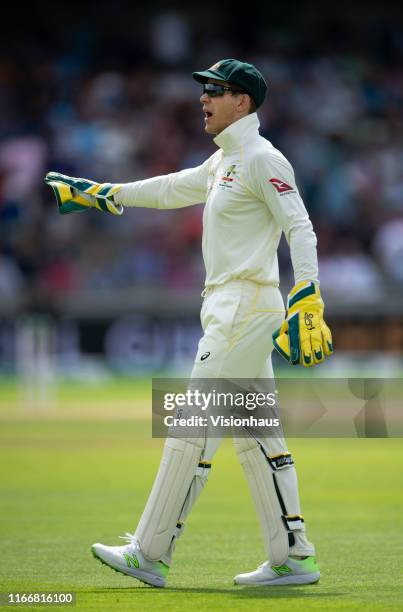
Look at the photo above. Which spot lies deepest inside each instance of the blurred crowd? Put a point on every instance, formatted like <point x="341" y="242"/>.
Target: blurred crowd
<point x="123" y="107"/>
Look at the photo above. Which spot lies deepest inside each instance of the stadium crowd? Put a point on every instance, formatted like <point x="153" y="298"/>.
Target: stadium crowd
<point x="125" y="107"/>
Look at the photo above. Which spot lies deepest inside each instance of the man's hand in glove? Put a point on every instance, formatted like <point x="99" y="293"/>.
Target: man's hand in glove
<point x="78" y="194"/>
<point x="304" y="338"/>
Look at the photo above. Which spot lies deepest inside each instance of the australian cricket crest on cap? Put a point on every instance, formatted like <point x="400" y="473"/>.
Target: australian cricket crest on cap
<point x="215" y="66"/>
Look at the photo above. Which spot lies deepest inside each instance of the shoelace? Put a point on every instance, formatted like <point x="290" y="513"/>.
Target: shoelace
<point x="130" y="539"/>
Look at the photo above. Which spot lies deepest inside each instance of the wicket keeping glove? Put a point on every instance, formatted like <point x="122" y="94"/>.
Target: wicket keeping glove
<point x="304" y="338"/>
<point x="78" y="194"/>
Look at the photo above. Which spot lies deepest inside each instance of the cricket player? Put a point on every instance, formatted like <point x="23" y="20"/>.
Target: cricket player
<point x="250" y="197"/>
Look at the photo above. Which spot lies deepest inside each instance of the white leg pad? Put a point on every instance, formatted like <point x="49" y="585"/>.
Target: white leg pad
<point x="196" y="487"/>
<point x="262" y="487"/>
<point x="286" y="484"/>
<point x="177" y="470"/>
<point x="198" y="483"/>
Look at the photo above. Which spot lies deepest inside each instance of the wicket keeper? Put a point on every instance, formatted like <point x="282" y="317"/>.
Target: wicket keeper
<point x="250" y="197"/>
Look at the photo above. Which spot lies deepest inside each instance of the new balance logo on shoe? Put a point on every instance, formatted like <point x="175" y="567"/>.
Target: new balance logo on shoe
<point x="131" y="560"/>
<point x="281" y="569"/>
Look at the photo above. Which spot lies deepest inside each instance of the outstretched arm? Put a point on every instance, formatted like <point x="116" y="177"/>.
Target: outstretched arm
<point x="176" y="190"/>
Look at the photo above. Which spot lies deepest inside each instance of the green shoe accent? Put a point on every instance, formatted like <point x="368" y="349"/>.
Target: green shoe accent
<point x="131" y="560"/>
<point x="281" y="570"/>
<point x="309" y="564"/>
<point x="164" y="568"/>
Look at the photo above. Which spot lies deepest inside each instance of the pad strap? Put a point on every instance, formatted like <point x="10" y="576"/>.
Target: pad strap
<point x="293" y="523"/>
<point x="179" y="529"/>
<point x="279" y="462"/>
<point x="203" y="469"/>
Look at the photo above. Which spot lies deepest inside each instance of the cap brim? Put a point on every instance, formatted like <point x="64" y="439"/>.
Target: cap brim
<point x="203" y="77"/>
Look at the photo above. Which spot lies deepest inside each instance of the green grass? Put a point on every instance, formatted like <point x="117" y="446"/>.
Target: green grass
<point x="69" y="482"/>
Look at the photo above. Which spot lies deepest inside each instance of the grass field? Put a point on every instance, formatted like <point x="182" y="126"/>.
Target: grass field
<point x="81" y="472"/>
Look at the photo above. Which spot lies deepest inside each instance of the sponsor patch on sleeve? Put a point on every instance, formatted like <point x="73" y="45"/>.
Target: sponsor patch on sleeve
<point x="280" y="186"/>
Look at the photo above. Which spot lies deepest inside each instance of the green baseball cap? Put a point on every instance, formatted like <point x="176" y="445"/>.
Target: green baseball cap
<point x="240" y="73"/>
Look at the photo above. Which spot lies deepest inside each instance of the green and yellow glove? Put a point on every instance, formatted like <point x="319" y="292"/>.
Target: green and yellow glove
<point x="304" y="338"/>
<point x="78" y="194"/>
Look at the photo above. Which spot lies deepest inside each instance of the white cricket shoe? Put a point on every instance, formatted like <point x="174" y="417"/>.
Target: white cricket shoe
<point x="294" y="571"/>
<point x="129" y="560"/>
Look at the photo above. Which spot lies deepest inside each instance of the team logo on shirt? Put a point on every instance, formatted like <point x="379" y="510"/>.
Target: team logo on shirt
<point x="228" y="177"/>
<point x="280" y="186"/>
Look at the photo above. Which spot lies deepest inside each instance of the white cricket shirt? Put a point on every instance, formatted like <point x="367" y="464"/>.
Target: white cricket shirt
<point x="250" y="197"/>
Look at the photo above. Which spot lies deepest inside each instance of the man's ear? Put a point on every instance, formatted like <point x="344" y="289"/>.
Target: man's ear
<point x="243" y="102"/>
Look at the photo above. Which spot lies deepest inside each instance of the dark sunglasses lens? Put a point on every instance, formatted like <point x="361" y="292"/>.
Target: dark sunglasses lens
<point x="213" y="90"/>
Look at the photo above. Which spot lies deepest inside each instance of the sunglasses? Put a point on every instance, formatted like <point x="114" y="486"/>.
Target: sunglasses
<point x="213" y="90"/>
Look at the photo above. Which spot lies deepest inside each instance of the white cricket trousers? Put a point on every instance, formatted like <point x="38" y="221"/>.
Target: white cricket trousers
<point x="238" y="320"/>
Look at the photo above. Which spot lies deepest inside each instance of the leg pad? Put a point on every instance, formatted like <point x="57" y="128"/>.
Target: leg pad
<point x="158" y="523"/>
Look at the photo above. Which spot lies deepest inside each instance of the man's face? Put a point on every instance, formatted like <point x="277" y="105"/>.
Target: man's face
<point x="221" y="111"/>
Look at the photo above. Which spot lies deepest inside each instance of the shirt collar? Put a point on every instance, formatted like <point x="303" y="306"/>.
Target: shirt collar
<point x="238" y="133"/>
